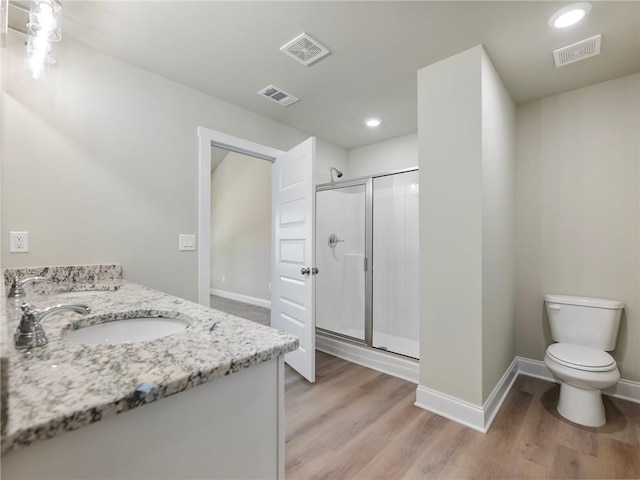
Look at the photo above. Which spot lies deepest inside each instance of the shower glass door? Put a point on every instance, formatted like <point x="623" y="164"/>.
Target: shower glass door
<point x="340" y="258"/>
<point x="395" y="263"/>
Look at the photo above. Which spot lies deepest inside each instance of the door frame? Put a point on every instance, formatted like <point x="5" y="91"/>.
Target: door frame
<point x="208" y="138"/>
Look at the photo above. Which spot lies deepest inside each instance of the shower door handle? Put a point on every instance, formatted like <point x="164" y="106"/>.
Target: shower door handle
<point x="305" y="271"/>
<point x="333" y="240"/>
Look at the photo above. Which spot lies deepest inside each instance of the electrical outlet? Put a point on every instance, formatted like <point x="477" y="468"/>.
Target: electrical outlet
<point x="186" y="242"/>
<point x="18" y="242"/>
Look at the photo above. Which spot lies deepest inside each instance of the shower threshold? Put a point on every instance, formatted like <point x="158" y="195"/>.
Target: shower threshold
<point x="355" y="351"/>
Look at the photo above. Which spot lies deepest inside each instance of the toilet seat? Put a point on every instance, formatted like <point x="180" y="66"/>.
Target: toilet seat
<point x="581" y="358"/>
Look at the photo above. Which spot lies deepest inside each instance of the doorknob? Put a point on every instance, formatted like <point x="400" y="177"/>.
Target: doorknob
<point x="305" y="271"/>
<point x="314" y="271"/>
<point x="333" y="240"/>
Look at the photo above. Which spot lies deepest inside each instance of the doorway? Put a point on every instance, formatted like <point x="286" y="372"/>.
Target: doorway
<point x="292" y="249"/>
<point x="240" y="231"/>
<point x="207" y="140"/>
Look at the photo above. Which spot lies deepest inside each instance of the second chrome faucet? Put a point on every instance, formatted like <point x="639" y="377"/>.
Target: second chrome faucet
<point x="17" y="287"/>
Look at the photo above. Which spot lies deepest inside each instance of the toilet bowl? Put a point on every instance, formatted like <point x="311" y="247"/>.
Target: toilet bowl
<point x="582" y="373"/>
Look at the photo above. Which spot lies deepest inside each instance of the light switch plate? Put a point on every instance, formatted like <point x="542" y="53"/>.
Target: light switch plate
<point x="18" y="242"/>
<point x="186" y="242"/>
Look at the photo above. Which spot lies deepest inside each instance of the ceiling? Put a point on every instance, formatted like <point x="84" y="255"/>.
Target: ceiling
<point x="231" y="50"/>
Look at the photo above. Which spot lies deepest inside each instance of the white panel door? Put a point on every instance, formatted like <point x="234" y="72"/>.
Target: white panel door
<point x="292" y="308"/>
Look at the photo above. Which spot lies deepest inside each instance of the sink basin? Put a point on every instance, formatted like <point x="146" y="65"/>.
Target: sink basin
<point x="130" y="330"/>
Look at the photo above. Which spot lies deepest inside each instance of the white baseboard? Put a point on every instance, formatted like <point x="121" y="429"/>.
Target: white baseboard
<point x="473" y="416"/>
<point x="450" y="407"/>
<point x="395" y="365"/>
<point x="480" y="417"/>
<point x="534" y="368"/>
<point x="258" y="302"/>
<point x="468" y="414"/>
<point x="494" y="401"/>
<point x="624" y="389"/>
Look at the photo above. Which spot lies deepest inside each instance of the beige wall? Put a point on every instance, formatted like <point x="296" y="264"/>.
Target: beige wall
<point x="100" y="164"/>
<point x="578" y="209"/>
<point x="241" y="226"/>
<point x="466" y="129"/>
<point x="449" y="109"/>
<point x="382" y="157"/>
<point x="498" y="230"/>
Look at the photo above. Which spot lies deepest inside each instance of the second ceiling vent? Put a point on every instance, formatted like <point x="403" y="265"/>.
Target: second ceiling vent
<point x="304" y="49"/>
<point x="278" y="95"/>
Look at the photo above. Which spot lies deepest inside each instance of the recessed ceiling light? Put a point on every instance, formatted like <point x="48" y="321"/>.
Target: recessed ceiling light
<point x="569" y="15"/>
<point x="372" y="122"/>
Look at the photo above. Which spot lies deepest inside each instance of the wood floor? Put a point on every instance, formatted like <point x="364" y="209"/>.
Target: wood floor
<point x="357" y="423"/>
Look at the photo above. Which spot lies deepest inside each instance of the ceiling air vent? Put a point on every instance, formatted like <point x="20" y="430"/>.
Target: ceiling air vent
<point x="578" y="51"/>
<point x="304" y="49"/>
<point x="278" y="95"/>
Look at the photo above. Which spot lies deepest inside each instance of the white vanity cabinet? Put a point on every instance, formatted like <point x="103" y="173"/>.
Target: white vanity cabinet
<point x="232" y="427"/>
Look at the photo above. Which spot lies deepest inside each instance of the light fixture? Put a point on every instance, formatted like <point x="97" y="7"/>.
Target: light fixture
<point x="372" y="122"/>
<point x="44" y="29"/>
<point x="569" y="15"/>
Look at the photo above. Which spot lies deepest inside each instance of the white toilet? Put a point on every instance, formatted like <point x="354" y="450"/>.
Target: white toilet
<point x="585" y="329"/>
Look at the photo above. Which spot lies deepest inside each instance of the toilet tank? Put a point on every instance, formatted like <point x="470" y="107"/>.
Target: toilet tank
<point x="591" y="322"/>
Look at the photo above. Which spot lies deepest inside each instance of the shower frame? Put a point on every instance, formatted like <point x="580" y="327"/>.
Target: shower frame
<point x="367" y="181"/>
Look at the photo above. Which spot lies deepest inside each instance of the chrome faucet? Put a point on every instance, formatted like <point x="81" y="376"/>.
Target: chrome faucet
<point x="17" y="287"/>
<point x="30" y="332"/>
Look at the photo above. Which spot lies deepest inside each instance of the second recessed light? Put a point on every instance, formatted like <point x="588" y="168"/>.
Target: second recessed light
<point x="372" y="122"/>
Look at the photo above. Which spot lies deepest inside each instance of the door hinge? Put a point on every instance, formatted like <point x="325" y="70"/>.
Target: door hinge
<point x="365" y="264"/>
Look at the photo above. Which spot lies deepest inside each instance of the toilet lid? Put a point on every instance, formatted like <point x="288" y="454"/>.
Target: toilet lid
<point x="582" y="358"/>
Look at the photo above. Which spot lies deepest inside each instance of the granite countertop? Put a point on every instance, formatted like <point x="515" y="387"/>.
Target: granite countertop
<point x="63" y="386"/>
<point x="5" y="348"/>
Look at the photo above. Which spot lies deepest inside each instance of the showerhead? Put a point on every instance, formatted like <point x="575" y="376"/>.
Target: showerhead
<point x="338" y="172"/>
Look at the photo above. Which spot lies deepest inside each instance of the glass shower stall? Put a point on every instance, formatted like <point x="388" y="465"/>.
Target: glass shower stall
<point x="367" y="256"/>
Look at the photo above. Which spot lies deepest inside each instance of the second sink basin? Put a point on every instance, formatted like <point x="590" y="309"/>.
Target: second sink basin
<point x="129" y="330"/>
